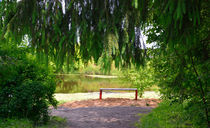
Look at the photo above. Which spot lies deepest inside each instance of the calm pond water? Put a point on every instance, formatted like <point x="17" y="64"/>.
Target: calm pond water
<point x="73" y="83"/>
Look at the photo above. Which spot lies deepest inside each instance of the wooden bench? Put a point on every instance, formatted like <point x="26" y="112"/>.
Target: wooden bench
<point x="119" y="89"/>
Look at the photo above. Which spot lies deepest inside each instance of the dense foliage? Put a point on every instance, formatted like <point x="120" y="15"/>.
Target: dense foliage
<point x="26" y="88"/>
<point x="181" y="31"/>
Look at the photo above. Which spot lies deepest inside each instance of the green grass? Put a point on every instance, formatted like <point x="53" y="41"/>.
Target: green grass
<point x="164" y="116"/>
<point x="175" y="115"/>
<point x="152" y="88"/>
<point x="55" y="122"/>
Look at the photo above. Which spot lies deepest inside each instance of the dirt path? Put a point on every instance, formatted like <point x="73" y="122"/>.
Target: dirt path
<point x="107" y="113"/>
<point x="101" y="117"/>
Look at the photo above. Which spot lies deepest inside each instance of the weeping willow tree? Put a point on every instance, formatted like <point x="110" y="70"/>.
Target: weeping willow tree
<point x="60" y="30"/>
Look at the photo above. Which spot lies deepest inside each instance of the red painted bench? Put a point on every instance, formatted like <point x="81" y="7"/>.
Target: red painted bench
<point x="120" y="89"/>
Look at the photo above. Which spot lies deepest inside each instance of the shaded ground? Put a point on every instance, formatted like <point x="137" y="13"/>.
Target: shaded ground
<point x="106" y="113"/>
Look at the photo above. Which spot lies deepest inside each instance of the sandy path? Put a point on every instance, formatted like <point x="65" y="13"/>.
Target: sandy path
<point x="106" y="113"/>
<point x="109" y="94"/>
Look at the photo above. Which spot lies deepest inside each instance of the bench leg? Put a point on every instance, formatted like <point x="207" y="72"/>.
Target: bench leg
<point x="100" y="95"/>
<point x="136" y="94"/>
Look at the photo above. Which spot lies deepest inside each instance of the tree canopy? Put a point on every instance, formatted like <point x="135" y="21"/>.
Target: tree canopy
<point x="59" y="29"/>
<point x="82" y="27"/>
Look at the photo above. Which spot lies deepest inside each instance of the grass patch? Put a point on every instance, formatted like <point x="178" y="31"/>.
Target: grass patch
<point x="15" y="123"/>
<point x="61" y="102"/>
<point x="55" y="122"/>
<point x="152" y="88"/>
<point x="173" y="115"/>
<point x="164" y="116"/>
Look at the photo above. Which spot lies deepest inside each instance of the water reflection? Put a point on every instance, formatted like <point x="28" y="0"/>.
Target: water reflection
<point x="72" y="83"/>
<point x="67" y="83"/>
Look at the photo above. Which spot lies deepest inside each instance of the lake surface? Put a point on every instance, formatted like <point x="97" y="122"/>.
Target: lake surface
<point x="74" y="83"/>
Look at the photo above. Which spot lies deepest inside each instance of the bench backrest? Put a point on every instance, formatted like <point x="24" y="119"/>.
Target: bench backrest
<point x="118" y="89"/>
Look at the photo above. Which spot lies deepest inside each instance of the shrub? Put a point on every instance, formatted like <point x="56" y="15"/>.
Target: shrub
<point x="139" y="78"/>
<point x="26" y="89"/>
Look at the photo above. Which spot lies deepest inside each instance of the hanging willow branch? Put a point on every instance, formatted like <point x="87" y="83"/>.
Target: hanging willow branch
<point x="83" y="24"/>
<point x="59" y="29"/>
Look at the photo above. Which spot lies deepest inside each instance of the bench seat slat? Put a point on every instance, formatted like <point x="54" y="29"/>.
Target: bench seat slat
<point x="118" y="88"/>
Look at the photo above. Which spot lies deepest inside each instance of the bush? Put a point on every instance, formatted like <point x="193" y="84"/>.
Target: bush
<point x="141" y="78"/>
<point x="26" y="89"/>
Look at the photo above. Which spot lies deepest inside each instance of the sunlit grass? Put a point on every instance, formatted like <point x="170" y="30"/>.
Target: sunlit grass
<point x="55" y="122"/>
<point x="173" y="115"/>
